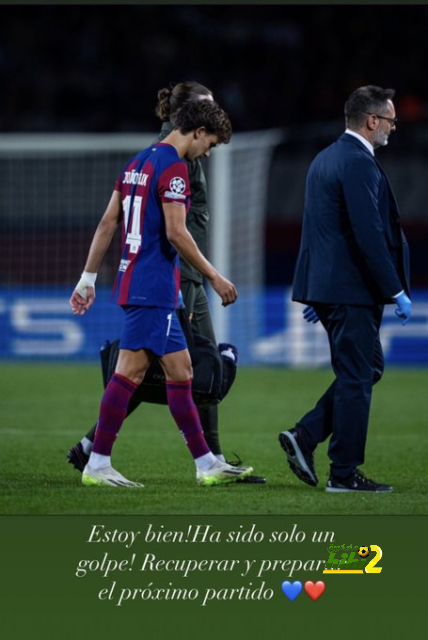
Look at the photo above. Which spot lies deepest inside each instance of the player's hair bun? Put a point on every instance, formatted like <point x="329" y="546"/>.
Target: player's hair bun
<point x="163" y="107"/>
<point x="171" y="100"/>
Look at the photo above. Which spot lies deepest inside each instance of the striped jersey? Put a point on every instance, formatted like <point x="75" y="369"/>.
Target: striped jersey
<point x="149" y="270"/>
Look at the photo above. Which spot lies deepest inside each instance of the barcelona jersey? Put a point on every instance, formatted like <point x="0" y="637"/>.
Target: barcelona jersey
<point x="149" y="271"/>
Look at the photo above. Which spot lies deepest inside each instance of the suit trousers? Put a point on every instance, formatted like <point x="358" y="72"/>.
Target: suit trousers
<point x="358" y="363"/>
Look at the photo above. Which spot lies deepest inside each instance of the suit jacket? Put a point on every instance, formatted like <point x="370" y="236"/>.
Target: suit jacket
<point x="353" y="250"/>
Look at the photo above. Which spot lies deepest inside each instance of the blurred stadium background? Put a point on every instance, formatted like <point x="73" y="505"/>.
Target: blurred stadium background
<point x="79" y="87"/>
<point x="78" y="94"/>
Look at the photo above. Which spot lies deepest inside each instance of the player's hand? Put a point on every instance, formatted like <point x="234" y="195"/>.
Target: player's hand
<point x="79" y="304"/>
<point x="310" y="315"/>
<point x="404" y="310"/>
<point x="225" y="289"/>
<point x="84" y="294"/>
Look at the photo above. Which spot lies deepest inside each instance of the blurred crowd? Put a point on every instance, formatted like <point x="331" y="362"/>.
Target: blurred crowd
<point x="98" y="68"/>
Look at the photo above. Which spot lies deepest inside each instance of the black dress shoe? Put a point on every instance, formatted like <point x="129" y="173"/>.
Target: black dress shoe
<point x="357" y="482"/>
<point x="299" y="456"/>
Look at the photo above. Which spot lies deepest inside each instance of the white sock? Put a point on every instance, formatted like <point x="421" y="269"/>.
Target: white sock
<point x="86" y="445"/>
<point x="205" y="462"/>
<point x="98" y="461"/>
<point x="220" y="457"/>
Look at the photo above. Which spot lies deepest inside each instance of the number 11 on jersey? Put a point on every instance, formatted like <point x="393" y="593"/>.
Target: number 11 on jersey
<point x="133" y="236"/>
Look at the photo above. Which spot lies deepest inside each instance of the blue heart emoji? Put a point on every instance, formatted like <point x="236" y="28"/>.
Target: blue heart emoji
<point x="291" y="589"/>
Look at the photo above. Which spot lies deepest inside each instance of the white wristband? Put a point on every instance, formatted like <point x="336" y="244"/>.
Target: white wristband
<point x="87" y="279"/>
<point x="90" y="278"/>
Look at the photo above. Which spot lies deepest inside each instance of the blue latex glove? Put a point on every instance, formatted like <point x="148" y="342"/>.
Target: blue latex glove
<point x="310" y="315"/>
<point x="180" y="303"/>
<point x="404" y="305"/>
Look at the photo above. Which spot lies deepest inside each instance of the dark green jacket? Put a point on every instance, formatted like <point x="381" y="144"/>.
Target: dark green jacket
<point x="198" y="216"/>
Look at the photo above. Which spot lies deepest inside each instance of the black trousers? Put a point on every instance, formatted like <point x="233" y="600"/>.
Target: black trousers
<point x="358" y="363"/>
<point x="196" y="303"/>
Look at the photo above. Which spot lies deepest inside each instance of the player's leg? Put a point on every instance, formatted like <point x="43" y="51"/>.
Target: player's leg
<point x="197" y="307"/>
<point x="140" y="338"/>
<point x="78" y="455"/>
<point x="178" y="372"/>
<point x="130" y="370"/>
<point x="196" y="303"/>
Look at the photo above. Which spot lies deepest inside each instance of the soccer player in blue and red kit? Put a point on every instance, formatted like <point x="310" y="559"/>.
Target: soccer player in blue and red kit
<point x="150" y="202"/>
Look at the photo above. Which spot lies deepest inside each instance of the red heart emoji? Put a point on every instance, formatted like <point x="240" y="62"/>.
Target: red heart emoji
<point x="315" y="590"/>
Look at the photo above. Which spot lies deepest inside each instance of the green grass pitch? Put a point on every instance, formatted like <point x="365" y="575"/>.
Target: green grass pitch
<point x="47" y="408"/>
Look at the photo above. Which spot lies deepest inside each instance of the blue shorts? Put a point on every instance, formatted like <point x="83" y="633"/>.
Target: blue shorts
<point x="152" y="328"/>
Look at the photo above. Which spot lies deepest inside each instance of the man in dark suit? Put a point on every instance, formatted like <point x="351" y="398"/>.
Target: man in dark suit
<point x="353" y="260"/>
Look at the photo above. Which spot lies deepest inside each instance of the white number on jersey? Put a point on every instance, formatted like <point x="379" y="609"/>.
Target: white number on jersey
<point x="169" y="318"/>
<point x="133" y="237"/>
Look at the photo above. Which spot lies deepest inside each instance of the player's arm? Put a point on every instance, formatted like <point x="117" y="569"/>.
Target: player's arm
<point x="84" y="294"/>
<point x="182" y="241"/>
